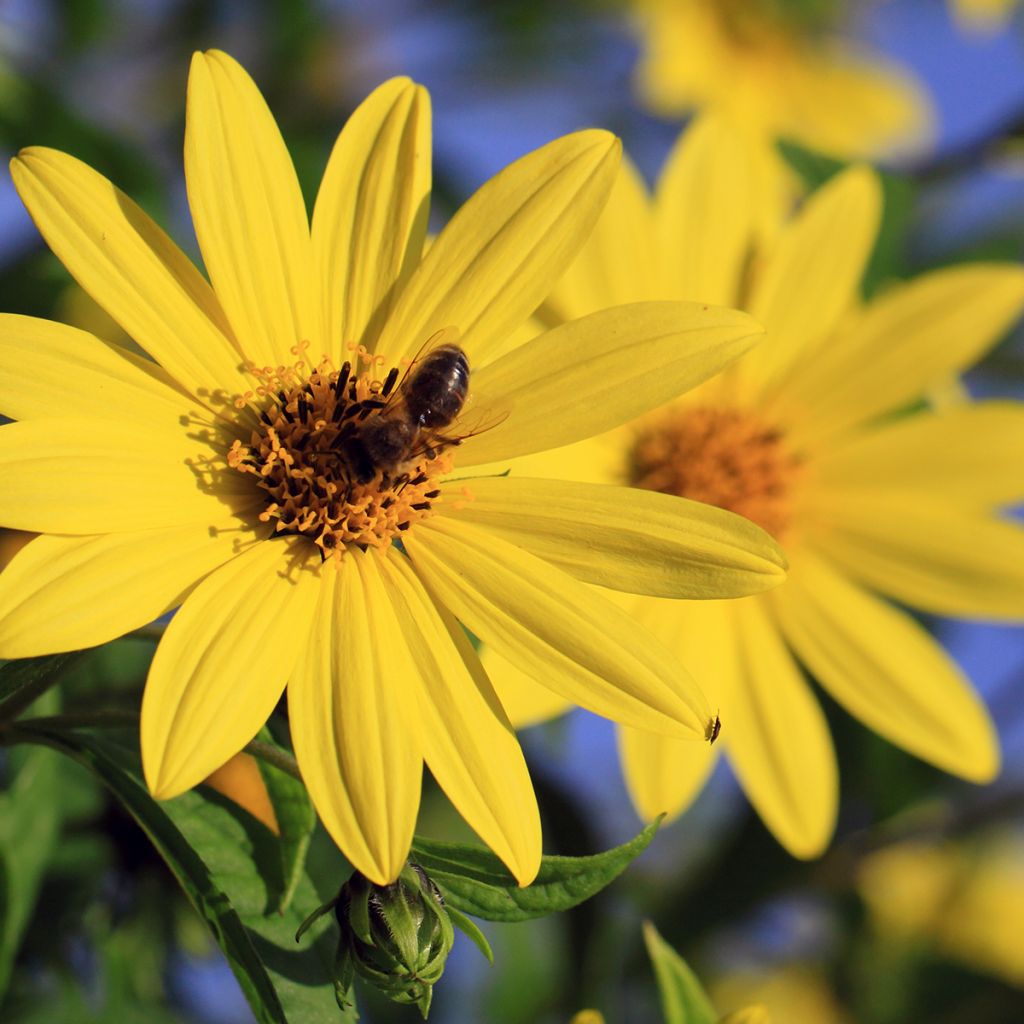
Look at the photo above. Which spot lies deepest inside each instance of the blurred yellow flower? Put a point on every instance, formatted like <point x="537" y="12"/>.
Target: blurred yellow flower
<point x="984" y="15"/>
<point x="804" y="437"/>
<point x="261" y="471"/>
<point x="793" y="994"/>
<point x="779" y="73"/>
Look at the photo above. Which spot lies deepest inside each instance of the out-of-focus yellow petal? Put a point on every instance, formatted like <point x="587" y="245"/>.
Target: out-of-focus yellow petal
<point x="706" y="212"/>
<point x="132" y="269"/>
<point x="940" y="558"/>
<point x="812" y="276"/>
<point x="757" y="1014"/>
<point x="525" y="701"/>
<point x="963" y="454"/>
<point x="627" y="539"/>
<point x="86" y="476"/>
<point x="66" y="593"/>
<point x="497" y="258"/>
<point x="983" y="15"/>
<point x="560" y="631"/>
<point x="48" y="369"/>
<point x="350" y="702"/>
<point x="591" y="375"/>
<point x="885" y="669"/>
<point x="467" y="740"/>
<point x="911" y="339"/>
<point x="619" y="261"/>
<point x="240" y="781"/>
<point x="776" y="736"/>
<point x="249" y="214"/>
<point x="371" y="212"/>
<point x="223" y="662"/>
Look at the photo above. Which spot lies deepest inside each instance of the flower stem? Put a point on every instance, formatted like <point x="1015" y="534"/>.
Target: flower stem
<point x="275" y="756"/>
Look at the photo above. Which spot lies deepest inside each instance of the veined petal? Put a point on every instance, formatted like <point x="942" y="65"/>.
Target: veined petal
<point x="913" y="338"/>
<point x="495" y="261"/>
<point x="467" y="740"/>
<point x="705" y="211"/>
<point x="525" y="701"/>
<point x="965" y="454"/>
<point x="371" y="212"/>
<point x="86" y="476"/>
<point x="51" y="370"/>
<point x="223" y="662"/>
<point x="778" y="740"/>
<point x="66" y="593"/>
<point x="350" y="702"/>
<point x="812" y="276"/>
<point x="885" y="669"/>
<point x="590" y="375"/>
<point x="561" y="633"/>
<point x="133" y="270"/>
<point x="638" y="541"/>
<point x="249" y="214"/>
<point x="942" y="559"/>
<point x="619" y="261"/>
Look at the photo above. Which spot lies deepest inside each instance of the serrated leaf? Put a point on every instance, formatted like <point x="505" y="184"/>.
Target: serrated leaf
<point x="33" y="675"/>
<point x="474" y="881"/>
<point x="683" y="999"/>
<point x="213" y="847"/>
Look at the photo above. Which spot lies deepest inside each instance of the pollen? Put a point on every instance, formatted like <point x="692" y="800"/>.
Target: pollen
<point x="308" y="456"/>
<point x="721" y="456"/>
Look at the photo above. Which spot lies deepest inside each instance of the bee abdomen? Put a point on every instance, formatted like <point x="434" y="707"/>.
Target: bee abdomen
<point x="438" y="389"/>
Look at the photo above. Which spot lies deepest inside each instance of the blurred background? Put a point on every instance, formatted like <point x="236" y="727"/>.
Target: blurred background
<point x="916" y="913"/>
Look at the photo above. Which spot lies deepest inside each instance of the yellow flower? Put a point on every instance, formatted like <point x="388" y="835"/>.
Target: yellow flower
<point x="802" y="437"/>
<point x="776" y="75"/>
<point x="259" y="474"/>
<point x="983" y="15"/>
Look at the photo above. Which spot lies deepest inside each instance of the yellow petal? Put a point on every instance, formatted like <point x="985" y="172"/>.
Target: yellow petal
<point x="812" y="276"/>
<point x="371" y="212"/>
<point x="66" y="593"/>
<point x="913" y="338"/>
<point x="561" y="632"/>
<point x="705" y="211"/>
<point x="350" y="702"/>
<point x="776" y="737"/>
<point x="590" y="375"/>
<point x="467" y="741"/>
<point x="885" y="669"/>
<point x="627" y="539"/>
<point x="223" y="662"/>
<point x="619" y="261"/>
<point x="525" y="701"/>
<point x="966" y="454"/>
<point x="496" y="259"/>
<point x="756" y="1014"/>
<point x="48" y="369"/>
<point x="942" y="559"/>
<point x="86" y="476"/>
<point x="132" y="269"/>
<point x="249" y="214"/>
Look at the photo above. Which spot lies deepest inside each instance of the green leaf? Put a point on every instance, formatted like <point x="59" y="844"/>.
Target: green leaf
<point x="23" y="680"/>
<point x="813" y="168"/>
<point x="474" y="881"/>
<point x="468" y="928"/>
<point x="683" y="999"/>
<point x="295" y="818"/>
<point x="215" y="849"/>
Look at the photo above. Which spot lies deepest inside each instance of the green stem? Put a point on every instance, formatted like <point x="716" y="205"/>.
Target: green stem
<point x="54" y="669"/>
<point x="111" y="719"/>
<point x="274" y="756"/>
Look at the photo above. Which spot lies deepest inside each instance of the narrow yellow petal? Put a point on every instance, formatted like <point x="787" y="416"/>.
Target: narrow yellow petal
<point x="66" y="593"/>
<point x="885" y="669"/>
<point x="48" y="369"/>
<point x="350" y="701"/>
<point x="525" y="701"/>
<point x="133" y="270"/>
<point x="371" y="212"/>
<point x="249" y="214"/>
<point x="561" y="632"/>
<point x="811" y="278"/>
<point x="223" y="662"/>
<point x="776" y="737"/>
<point x="86" y="476"/>
<point x="627" y="539"/>
<point x="965" y="454"/>
<point x="705" y="211"/>
<point x="495" y="261"/>
<point x="467" y="740"/>
<point x="590" y="375"/>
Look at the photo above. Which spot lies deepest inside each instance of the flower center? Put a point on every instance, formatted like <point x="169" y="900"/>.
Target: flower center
<point x="724" y="457"/>
<point x="340" y="456"/>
